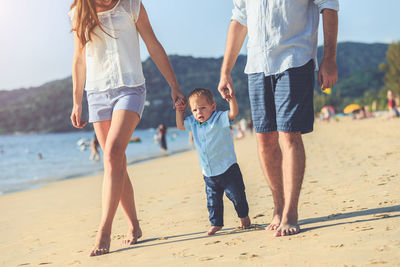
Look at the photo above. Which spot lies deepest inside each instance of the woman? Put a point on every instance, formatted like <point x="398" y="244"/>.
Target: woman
<point x="107" y="64"/>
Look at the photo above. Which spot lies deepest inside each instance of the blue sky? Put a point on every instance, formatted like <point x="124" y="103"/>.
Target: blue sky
<point x="36" y="46"/>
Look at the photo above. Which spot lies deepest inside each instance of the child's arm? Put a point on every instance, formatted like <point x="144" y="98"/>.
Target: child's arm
<point x="180" y="113"/>
<point x="233" y="107"/>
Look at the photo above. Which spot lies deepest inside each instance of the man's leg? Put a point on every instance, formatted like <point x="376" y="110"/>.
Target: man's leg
<point x="293" y="173"/>
<point x="271" y="163"/>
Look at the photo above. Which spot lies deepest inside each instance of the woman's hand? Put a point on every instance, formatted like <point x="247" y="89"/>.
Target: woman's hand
<point x="76" y="117"/>
<point x="178" y="99"/>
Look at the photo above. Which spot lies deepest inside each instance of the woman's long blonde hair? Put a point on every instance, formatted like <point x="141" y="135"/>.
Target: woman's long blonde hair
<point x="86" y="20"/>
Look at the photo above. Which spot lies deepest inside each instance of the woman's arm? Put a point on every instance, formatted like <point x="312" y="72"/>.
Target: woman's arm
<point x="78" y="81"/>
<point x="160" y="58"/>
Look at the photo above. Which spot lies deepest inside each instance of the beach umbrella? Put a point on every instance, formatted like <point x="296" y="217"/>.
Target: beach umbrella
<point x="351" y="108"/>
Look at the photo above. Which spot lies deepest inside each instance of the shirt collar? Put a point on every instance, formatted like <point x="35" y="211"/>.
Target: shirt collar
<point x="207" y="121"/>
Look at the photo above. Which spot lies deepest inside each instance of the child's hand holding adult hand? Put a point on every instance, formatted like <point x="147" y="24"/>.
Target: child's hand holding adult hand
<point x="178" y="99"/>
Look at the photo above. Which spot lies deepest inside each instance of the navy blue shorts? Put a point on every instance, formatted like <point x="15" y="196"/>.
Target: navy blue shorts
<point x="283" y="102"/>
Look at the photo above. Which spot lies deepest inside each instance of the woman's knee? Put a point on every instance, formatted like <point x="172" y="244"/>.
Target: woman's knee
<point x="115" y="154"/>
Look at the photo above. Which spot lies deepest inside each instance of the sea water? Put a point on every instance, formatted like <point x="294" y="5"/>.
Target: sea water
<point x="29" y="161"/>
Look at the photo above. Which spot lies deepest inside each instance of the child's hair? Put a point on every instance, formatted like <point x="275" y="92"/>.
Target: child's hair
<point x="202" y="92"/>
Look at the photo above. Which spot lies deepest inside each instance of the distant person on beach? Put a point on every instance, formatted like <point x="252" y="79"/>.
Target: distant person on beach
<point x="393" y="112"/>
<point x="94" y="147"/>
<point x="162" y="137"/>
<point x="213" y="141"/>
<point x="107" y="65"/>
<point x="281" y="59"/>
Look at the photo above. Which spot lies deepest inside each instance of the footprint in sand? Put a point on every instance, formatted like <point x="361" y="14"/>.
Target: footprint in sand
<point x="247" y="256"/>
<point x="205" y="259"/>
<point x="383" y="248"/>
<point x="212" y="243"/>
<point x="258" y="215"/>
<point x="234" y="242"/>
<point x="377" y="262"/>
<point x="182" y="254"/>
<point x="75" y="262"/>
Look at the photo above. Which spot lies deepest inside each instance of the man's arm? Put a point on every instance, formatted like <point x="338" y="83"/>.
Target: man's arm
<point x="236" y="35"/>
<point x="328" y="74"/>
<point x="233" y="108"/>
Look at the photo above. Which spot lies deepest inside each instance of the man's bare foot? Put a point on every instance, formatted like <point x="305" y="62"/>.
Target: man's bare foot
<point x="274" y="225"/>
<point x="287" y="227"/>
<point x="245" y="223"/>
<point x="132" y="236"/>
<point x="102" y="245"/>
<point x="213" y="230"/>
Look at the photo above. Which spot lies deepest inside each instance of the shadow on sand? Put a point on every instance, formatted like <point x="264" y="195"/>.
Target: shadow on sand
<point x="378" y="213"/>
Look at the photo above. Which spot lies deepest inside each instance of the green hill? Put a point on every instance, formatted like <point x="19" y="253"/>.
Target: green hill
<point x="47" y="108"/>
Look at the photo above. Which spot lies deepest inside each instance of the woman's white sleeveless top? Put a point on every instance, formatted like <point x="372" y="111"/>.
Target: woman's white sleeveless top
<point x="113" y="62"/>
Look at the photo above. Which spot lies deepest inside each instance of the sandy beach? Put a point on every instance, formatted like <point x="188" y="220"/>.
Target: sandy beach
<point x="349" y="210"/>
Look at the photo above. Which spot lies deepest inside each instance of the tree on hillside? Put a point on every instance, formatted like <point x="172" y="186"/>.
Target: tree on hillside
<point x="392" y="68"/>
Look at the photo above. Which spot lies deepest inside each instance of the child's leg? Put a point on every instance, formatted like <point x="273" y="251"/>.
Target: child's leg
<point x="235" y="191"/>
<point x="215" y="204"/>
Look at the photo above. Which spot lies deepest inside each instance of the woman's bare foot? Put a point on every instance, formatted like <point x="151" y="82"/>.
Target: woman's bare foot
<point x="213" y="230"/>
<point x="102" y="245"/>
<point x="245" y="223"/>
<point x="274" y="225"/>
<point x="133" y="235"/>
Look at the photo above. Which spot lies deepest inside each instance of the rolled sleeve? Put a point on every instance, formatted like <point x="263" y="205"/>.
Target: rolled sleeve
<point x="331" y="4"/>
<point x="239" y="12"/>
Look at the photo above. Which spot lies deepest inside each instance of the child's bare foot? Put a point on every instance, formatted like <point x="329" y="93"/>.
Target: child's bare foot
<point x="276" y="221"/>
<point x="132" y="236"/>
<point x="245" y="223"/>
<point x="102" y="245"/>
<point x="213" y="230"/>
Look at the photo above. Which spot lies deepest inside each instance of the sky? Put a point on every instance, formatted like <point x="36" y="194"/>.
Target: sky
<point x="36" y="45"/>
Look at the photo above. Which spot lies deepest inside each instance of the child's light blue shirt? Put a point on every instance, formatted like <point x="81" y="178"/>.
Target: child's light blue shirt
<point x="214" y="143"/>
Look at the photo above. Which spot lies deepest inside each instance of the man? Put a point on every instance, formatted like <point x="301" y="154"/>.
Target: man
<point x="281" y="60"/>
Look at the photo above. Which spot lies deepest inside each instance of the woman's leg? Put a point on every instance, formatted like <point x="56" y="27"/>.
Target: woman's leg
<point x="113" y="137"/>
<point x="128" y="206"/>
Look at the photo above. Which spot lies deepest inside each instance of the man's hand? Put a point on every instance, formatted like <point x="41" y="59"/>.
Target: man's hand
<point x="225" y="87"/>
<point x="327" y="74"/>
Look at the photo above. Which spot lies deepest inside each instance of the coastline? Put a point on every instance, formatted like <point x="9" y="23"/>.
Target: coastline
<point x="36" y="184"/>
<point x="349" y="210"/>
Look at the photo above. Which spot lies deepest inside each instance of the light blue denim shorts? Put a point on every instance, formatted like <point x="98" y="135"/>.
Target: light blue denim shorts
<point x="103" y="104"/>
